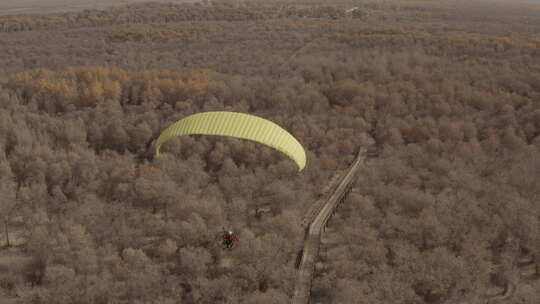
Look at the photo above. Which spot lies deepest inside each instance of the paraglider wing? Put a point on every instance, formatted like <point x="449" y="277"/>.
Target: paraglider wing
<point x="237" y="125"/>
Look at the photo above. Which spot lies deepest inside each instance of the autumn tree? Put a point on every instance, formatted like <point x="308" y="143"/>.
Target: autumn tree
<point x="8" y="199"/>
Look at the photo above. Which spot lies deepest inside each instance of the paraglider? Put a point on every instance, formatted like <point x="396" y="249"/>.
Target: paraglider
<point x="237" y="125"/>
<point x="229" y="240"/>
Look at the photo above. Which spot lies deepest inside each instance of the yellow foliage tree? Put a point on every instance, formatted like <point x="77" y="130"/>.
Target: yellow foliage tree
<point x="93" y="94"/>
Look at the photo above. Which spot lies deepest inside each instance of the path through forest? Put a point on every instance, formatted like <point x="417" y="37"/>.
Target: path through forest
<point x="315" y="229"/>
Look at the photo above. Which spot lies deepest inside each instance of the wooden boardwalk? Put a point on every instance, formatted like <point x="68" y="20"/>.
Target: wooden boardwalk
<point x="316" y="227"/>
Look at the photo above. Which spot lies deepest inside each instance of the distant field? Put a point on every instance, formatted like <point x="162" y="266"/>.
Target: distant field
<point x="8" y="7"/>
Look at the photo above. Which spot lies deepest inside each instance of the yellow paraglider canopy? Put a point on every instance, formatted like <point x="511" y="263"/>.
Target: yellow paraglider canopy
<point x="237" y="125"/>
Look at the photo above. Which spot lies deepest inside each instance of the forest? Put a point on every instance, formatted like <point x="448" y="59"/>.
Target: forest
<point x="447" y="91"/>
